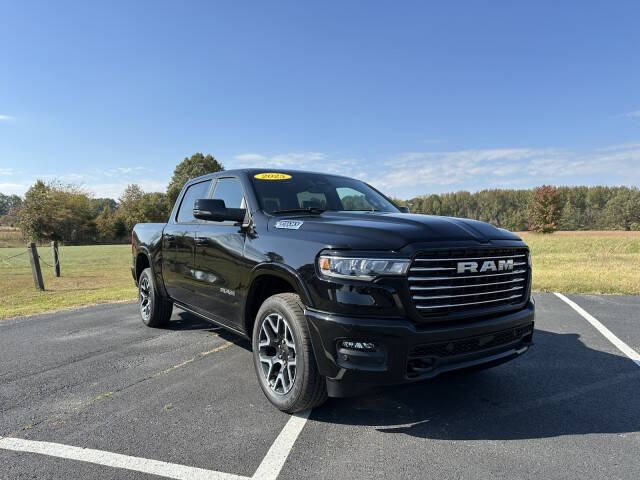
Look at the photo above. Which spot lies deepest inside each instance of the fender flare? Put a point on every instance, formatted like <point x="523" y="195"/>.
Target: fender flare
<point x="159" y="281"/>
<point x="286" y="273"/>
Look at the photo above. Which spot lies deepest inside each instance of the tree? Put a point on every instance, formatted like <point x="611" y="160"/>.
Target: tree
<point x="55" y="211"/>
<point x="7" y="202"/>
<point x="98" y="205"/>
<point x="129" y="206"/>
<point x="105" y="224"/>
<point x="623" y="210"/>
<point x="194" y="166"/>
<point x="32" y="218"/>
<point x="545" y="212"/>
<point x="136" y="206"/>
<point x="569" y="219"/>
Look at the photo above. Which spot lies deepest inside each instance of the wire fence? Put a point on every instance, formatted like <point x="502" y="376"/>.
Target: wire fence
<point x="5" y="259"/>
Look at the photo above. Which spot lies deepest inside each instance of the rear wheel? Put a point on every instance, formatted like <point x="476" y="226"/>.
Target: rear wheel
<point x="283" y="356"/>
<point x="155" y="311"/>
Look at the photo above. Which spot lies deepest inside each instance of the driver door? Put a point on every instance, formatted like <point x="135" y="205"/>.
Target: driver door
<point x="219" y="258"/>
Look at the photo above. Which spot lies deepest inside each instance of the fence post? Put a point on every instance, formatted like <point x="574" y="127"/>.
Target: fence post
<point x="56" y="260"/>
<point x="35" y="266"/>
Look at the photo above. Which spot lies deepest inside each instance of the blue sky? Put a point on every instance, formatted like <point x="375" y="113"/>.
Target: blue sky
<point x="415" y="97"/>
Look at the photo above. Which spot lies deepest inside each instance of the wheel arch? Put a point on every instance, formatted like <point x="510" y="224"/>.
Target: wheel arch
<point x="270" y="279"/>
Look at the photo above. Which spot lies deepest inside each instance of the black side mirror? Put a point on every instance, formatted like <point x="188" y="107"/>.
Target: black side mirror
<point x="404" y="209"/>
<point x="216" y="211"/>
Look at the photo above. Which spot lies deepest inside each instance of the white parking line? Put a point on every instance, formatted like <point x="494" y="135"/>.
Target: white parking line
<point x="116" y="460"/>
<point x="269" y="468"/>
<point x="619" y="344"/>
<point x="274" y="460"/>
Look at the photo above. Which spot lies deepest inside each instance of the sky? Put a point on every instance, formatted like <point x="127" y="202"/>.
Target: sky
<point x="414" y="97"/>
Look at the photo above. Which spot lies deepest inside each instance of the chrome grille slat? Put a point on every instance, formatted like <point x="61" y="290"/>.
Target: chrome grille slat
<point x="438" y="287"/>
<point x="421" y="279"/>
<point x="443" y="287"/>
<point x="440" y="297"/>
<point x="431" y="269"/>
<point x="462" y="259"/>
<point x="470" y="303"/>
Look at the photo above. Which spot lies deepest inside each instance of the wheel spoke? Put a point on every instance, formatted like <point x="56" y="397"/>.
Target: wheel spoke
<point x="277" y="353"/>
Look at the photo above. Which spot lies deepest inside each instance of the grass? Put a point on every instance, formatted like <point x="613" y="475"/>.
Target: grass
<point x="11" y="237"/>
<point x="586" y="262"/>
<point x="89" y="275"/>
<point x="570" y="262"/>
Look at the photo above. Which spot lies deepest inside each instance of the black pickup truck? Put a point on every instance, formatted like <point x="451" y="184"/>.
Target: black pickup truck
<point x="338" y="289"/>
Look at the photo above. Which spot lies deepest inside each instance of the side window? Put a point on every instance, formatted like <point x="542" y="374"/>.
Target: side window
<point x="193" y="193"/>
<point x="230" y="190"/>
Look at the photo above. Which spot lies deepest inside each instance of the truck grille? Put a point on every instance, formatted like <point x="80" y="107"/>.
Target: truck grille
<point x="461" y="280"/>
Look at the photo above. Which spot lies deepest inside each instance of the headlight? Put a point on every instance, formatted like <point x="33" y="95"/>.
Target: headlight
<point x="360" y="268"/>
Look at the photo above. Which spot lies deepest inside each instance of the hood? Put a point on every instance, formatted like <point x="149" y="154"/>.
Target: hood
<point x="390" y="231"/>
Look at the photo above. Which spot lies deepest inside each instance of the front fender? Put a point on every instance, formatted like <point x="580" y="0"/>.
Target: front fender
<point x="286" y="273"/>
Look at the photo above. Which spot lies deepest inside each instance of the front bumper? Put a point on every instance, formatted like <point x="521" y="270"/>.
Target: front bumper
<point x="406" y="352"/>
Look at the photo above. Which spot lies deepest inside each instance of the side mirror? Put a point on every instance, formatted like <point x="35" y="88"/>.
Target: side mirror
<point x="404" y="209"/>
<point x="216" y="211"/>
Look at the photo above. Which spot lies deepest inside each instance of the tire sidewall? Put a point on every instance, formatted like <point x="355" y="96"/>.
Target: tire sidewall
<point x="287" y="400"/>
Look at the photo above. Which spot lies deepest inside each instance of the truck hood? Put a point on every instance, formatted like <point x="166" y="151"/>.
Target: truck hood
<point x="389" y="231"/>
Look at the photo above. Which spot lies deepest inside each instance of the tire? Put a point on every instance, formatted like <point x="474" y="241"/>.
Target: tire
<point x="289" y="389"/>
<point x="155" y="311"/>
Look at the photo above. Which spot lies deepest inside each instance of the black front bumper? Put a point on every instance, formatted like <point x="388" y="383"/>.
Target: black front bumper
<point x="406" y="352"/>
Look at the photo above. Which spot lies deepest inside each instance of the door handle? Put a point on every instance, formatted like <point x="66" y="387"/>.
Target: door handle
<point x="170" y="238"/>
<point x="201" y="240"/>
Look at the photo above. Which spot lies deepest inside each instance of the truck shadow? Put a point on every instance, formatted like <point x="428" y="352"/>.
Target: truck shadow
<point x="183" y="320"/>
<point x="561" y="387"/>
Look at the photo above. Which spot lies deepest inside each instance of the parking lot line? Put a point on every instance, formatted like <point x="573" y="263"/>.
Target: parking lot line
<point x="274" y="460"/>
<point x="608" y="334"/>
<point x="116" y="460"/>
<point x="269" y="468"/>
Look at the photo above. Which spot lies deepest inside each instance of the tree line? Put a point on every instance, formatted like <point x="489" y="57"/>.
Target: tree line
<point x="561" y="208"/>
<point x="56" y="211"/>
<point x="67" y="213"/>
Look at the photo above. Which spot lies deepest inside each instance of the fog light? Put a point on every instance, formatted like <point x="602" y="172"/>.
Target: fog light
<point x="362" y="346"/>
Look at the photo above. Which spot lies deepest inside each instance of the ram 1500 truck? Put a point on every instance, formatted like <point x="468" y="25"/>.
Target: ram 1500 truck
<point x="338" y="289"/>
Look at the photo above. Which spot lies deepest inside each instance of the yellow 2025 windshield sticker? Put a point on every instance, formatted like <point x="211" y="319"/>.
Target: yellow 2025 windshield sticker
<point x="272" y="176"/>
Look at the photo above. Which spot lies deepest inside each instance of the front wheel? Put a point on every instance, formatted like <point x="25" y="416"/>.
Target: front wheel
<point x="155" y="311"/>
<point x="283" y="356"/>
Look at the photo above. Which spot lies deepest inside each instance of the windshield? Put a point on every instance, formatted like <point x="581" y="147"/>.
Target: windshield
<point x="302" y="191"/>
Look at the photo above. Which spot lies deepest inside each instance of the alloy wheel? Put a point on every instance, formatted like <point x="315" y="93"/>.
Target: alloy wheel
<point x="145" y="299"/>
<point x="277" y="353"/>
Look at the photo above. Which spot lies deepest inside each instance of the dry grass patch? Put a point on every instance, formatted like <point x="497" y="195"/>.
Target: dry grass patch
<point x="586" y="262"/>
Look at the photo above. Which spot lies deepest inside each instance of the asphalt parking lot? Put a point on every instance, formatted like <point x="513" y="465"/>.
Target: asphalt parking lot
<point x="184" y="402"/>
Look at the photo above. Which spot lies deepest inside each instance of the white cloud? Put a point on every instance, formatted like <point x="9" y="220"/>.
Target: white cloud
<point x="250" y="158"/>
<point x="13" y="188"/>
<point x="415" y="173"/>
<point x="115" y="189"/>
<point x="634" y="114"/>
<point x="5" y="118"/>
<point x="295" y="160"/>
<point x="97" y="182"/>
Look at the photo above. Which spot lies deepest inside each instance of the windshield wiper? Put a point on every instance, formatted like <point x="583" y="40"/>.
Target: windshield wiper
<point x="301" y="210"/>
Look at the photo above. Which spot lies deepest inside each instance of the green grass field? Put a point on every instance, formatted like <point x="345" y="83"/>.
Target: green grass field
<point x="90" y="274"/>
<point x="569" y="262"/>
